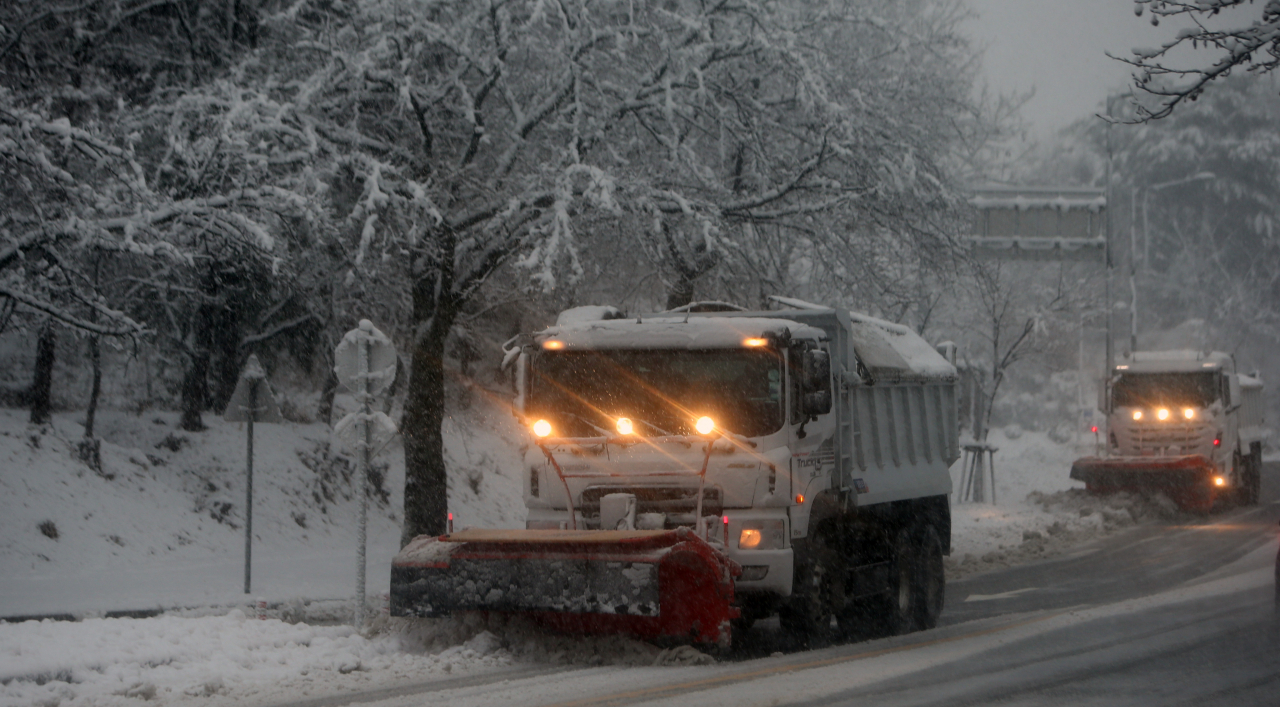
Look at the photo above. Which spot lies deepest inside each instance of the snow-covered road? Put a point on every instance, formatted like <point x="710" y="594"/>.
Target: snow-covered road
<point x="1213" y="642"/>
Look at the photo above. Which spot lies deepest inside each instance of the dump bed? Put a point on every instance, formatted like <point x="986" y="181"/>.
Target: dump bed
<point x="895" y="404"/>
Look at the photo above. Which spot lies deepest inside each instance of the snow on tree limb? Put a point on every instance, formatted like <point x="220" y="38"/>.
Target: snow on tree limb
<point x="1215" y="25"/>
<point x="128" y="326"/>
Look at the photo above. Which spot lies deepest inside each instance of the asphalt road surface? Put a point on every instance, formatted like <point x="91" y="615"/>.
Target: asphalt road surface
<point x="1157" y="615"/>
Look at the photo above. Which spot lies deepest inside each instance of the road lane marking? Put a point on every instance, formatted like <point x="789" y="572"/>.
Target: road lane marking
<point x="1002" y="595"/>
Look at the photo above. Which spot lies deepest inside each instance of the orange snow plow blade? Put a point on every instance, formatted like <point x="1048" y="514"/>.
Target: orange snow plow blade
<point x="652" y="584"/>
<point x="1191" y="481"/>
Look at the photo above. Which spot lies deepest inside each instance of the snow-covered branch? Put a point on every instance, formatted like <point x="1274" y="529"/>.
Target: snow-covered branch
<point x="127" y="326"/>
<point x="1215" y="25"/>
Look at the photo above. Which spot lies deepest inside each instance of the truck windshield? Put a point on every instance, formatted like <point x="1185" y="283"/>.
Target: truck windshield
<point x="1197" y="389"/>
<point x="584" y="392"/>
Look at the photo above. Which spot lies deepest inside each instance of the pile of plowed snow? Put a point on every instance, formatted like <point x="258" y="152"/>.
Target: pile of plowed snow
<point x="1038" y="510"/>
<point x="239" y="659"/>
<point x="1047" y="524"/>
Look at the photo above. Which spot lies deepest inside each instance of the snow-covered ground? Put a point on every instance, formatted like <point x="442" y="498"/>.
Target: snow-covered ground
<point x="1039" y="511"/>
<point x="162" y="524"/>
<point x="161" y="528"/>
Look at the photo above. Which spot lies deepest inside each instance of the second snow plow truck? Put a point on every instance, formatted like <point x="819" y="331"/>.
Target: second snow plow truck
<point x="707" y="467"/>
<point x="1181" y="423"/>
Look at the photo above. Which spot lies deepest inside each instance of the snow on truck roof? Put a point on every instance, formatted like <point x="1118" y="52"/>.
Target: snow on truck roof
<point x="680" y="332"/>
<point x="1175" y="361"/>
<point x="890" y="352"/>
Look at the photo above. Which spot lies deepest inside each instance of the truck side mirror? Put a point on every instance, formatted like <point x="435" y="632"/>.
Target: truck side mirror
<point x="816" y="387"/>
<point x="1103" y="398"/>
<point x="1234" y="396"/>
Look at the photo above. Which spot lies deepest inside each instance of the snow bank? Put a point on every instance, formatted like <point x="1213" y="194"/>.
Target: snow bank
<point x="176" y="660"/>
<point x="1039" y="511"/>
<point x="238" y="659"/>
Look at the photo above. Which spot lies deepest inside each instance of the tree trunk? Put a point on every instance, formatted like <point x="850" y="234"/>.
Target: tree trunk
<point x="681" y="292"/>
<point x="426" y="480"/>
<point x="95" y="360"/>
<point x="41" y="395"/>
<point x="195" y="382"/>
<point x="327" y="394"/>
<point x="225" y="336"/>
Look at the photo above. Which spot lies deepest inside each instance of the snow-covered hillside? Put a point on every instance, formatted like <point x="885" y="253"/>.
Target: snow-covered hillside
<point x="162" y="524"/>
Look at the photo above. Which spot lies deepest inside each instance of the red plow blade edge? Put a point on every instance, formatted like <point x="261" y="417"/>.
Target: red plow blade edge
<point x="652" y="584"/>
<point x="1187" y="480"/>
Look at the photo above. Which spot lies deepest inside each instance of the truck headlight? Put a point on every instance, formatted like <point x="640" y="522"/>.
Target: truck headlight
<point x="1189" y="413"/>
<point x="1162" y="413"/>
<point x="1137" y="415"/>
<point x="762" y="535"/>
<point x="542" y="428"/>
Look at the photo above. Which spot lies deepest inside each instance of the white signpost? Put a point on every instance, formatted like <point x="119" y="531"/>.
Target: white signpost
<point x="251" y="402"/>
<point x="365" y="362"/>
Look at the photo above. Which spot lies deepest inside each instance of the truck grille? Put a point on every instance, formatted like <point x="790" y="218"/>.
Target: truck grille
<point x="1156" y="438"/>
<point x="678" y="502"/>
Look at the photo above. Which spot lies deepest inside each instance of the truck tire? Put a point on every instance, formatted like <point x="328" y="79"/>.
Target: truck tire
<point x="1255" y="472"/>
<point x="818" y="598"/>
<point x="930" y="579"/>
<point x="1250" y="478"/>
<point x="901" y="614"/>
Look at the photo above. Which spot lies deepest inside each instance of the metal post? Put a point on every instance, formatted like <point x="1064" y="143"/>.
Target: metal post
<point x="1133" y="272"/>
<point x="1111" y="354"/>
<point x="1080" y="384"/>
<point x="363" y="474"/>
<point x="248" y="489"/>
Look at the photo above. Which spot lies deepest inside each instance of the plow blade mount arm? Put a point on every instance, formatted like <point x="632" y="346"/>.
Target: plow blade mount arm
<point x="652" y="584"/>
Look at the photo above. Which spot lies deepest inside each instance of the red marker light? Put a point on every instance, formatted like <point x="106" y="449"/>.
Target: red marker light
<point x="1217" y="442"/>
<point x="450" y="521"/>
<point x="1095" y="429"/>
<point x="725" y="521"/>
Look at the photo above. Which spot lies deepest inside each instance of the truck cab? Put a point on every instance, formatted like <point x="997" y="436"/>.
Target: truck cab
<point x="1181" y="422"/>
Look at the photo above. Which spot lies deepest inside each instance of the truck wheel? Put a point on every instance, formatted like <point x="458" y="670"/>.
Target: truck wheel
<point x="1255" y="472"/>
<point x="930" y="580"/>
<point x="1250" y="475"/>
<point x="810" y="612"/>
<point x="898" y="609"/>
<point x="900" y="613"/>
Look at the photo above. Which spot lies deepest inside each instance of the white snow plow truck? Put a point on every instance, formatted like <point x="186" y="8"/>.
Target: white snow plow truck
<point x="700" y="468"/>
<point x="1181" y="423"/>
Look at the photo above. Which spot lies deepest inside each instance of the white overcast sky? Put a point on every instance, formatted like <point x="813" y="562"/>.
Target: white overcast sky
<point x="1058" y="47"/>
